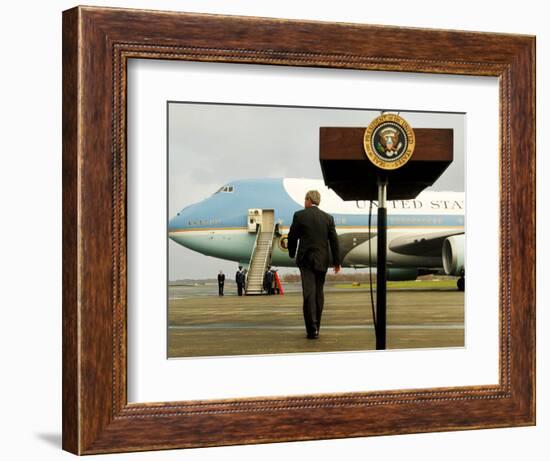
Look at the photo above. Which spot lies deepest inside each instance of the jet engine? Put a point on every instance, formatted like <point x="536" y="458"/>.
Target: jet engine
<point x="453" y="254"/>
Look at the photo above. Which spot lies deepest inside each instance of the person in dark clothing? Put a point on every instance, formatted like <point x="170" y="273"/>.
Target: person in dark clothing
<point x="268" y="280"/>
<point x="221" y="282"/>
<point x="276" y="283"/>
<point x="239" y="278"/>
<point x="460" y="283"/>
<point x="316" y="233"/>
<point x="273" y="282"/>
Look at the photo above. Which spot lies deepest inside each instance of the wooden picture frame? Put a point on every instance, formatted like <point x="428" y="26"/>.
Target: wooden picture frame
<point x="97" y="43"/>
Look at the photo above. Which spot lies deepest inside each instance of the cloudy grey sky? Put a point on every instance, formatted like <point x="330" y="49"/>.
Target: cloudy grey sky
<point x="212" y="144"/>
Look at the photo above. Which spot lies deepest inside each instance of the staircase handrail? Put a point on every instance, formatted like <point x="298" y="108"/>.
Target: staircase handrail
<point x="258" y="233"/>
<point x="269" y="252"/>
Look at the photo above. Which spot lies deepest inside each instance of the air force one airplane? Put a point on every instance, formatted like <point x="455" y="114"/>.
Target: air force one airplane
<point x="248" y="220"/>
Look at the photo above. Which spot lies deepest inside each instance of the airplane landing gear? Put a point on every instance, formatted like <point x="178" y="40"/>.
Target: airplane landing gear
<point x="460" y="283"/>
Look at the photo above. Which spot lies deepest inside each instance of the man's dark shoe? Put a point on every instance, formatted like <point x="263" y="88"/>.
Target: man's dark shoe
<point x="314" y="335"/>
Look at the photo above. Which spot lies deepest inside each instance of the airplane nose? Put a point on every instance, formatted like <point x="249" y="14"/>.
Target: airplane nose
<point x="178" y="222"/>
<point x="172" y="224"/>
<point x="178" y="225"/>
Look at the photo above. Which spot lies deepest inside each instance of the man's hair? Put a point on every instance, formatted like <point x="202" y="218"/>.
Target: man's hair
<point x="314" y="196"/>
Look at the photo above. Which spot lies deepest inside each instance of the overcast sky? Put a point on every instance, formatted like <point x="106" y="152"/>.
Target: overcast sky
<point x="212" y="144"/>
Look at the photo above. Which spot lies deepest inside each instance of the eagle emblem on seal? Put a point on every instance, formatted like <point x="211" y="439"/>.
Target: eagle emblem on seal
<point x="389" y="143"/>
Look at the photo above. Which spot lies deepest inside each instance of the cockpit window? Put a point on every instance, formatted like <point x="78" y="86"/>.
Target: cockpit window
<point x="225" y="189"/>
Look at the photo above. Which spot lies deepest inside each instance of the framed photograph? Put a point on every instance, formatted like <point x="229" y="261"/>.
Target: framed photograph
<point x="219" y="233"/>
<point x="193" y="148"/>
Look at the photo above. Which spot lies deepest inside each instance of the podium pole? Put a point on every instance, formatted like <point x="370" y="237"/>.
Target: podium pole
<point x="381" y="256"/>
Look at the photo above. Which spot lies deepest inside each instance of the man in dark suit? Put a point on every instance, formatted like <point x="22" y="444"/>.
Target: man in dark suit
<point x="316" y="232"/>
<point x="239" y="278"/>
<point x="221" y="282"/>
<point x="268" y="279"/>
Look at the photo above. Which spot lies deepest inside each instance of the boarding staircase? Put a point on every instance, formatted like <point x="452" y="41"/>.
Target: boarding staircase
<point x="261" y="255"/>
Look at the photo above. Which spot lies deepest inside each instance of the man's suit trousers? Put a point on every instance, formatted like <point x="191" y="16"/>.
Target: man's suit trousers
<point x="314" y="299"/>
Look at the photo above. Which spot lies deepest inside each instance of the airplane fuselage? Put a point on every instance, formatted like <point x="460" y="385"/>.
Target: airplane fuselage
<point x="218" y="226"/>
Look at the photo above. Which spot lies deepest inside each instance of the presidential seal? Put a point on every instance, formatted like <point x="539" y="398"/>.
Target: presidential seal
<point x="283" y="242"/>
<point x="389" y="141"/>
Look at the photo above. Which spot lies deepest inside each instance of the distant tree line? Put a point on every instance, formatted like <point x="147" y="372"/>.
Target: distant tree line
<point x="331" y="277"/>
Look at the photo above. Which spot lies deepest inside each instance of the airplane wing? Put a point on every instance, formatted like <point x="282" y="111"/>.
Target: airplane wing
<point x="350" y="240"/>
<point x="421" y="244"/>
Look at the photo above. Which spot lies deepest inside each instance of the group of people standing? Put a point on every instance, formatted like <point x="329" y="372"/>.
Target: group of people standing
<point x="240" y="279"/>
<point x="271" y="282"/>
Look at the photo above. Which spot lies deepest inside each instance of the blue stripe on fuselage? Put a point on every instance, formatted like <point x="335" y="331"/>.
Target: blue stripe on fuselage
<point x="230" y="209"/>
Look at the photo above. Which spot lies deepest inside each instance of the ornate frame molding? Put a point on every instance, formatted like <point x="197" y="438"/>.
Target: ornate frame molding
<point x="97" y="43"/>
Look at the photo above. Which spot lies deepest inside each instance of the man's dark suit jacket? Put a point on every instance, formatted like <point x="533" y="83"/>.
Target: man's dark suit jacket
<point x="316" y="231"/>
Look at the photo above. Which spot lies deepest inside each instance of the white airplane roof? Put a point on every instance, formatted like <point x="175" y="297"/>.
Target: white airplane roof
<point x="332" y="203"/>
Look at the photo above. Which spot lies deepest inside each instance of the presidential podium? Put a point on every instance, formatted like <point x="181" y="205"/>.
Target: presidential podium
<point x="388" y="160"/>
<point x="348" y="171"/>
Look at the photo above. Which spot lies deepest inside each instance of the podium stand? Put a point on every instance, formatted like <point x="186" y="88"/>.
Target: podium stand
<point x="350" y="172"/>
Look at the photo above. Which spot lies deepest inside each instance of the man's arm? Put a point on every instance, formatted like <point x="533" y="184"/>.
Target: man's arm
<point x="293" y="236"/>
<point x="334" y="245"/>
